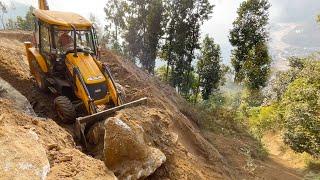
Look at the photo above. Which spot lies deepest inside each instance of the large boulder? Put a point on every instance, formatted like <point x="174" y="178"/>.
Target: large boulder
<point x="126" y="152"/>
<point x="21" y="102"/>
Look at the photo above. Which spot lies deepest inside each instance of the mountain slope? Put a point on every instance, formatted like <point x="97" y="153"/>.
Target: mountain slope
<point x="167" y="120"/>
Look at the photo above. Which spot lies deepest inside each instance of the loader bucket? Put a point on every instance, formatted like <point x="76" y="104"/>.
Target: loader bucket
<point x="82" y="123"/>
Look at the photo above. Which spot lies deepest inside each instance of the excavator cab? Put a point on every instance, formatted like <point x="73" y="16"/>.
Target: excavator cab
<point x="64" y="60"/>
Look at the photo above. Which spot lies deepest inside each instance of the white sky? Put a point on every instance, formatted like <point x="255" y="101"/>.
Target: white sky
<point x="83" y="7"/>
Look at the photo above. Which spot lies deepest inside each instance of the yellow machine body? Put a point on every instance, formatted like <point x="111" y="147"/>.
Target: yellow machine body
<point x="91" y="74"/>
<point x="63" y="20"/>
<point x="33" y="54"/>
<point x="90" y="68"/>
<point x="79" y="71"/>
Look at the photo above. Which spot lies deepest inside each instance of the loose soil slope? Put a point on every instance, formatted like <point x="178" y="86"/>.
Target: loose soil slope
<point x="189" y="154"/>
<point x="33" y="147"/>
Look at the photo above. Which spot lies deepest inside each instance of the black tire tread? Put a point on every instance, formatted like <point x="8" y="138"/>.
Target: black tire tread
<point x="66" y="108"/>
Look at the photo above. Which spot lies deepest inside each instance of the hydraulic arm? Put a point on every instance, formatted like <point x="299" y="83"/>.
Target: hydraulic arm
<point x="43" y="5"/>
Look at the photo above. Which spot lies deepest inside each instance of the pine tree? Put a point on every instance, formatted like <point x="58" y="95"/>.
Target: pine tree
<point x="147" y="22"/>
<point x="249" y="37"/>
<point x="209" y="67"/>
<point x="257" y="67"/>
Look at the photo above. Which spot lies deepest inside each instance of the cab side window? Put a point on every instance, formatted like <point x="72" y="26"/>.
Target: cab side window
<point x="36" y="33"/>
<point x="45" y="39"/>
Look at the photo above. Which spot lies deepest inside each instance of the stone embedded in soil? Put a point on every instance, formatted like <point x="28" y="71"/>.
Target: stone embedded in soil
<point x="125" y="150"/>
<point x="22" y="156"/>
<point x="21" y="102"/>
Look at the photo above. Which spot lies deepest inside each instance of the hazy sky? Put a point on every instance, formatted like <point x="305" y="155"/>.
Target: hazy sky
<point x="220" y="23"/>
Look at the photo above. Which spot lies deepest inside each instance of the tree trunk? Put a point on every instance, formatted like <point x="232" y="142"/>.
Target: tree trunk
<point x="198" y="90"/>
<point x="2" y="22"/>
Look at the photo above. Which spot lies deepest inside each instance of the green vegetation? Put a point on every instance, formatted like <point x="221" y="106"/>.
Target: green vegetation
<point x="295" y="107"/>
<point x="139" y="25"/>
<point x="115" y="16"/>
<point x="210" y="68"/>
<point x="165" y="29"/>
<point x="249" y="36"/>
<point x="22" y="23"/>
<point x="182" y="36"/>
<point x="301" y="111"/>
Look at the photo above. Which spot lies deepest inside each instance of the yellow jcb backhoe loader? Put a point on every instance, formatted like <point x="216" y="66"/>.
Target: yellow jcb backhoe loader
<point x="64" y="59"/>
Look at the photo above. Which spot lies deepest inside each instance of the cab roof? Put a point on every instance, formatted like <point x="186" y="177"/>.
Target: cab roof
<point x="63" y="19"/>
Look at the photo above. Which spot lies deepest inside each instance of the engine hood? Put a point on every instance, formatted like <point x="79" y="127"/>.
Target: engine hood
<point x="87" y="66"/>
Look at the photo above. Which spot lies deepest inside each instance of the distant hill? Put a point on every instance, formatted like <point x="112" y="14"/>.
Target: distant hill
<point x="294" y="31"/>
<point x="293" y="39"/>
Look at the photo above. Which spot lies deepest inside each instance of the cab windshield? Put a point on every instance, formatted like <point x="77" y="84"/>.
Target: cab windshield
<point x="64" y="40"/>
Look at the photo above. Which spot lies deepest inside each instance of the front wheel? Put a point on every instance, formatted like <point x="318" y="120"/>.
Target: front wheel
<point x="65" y="109"/>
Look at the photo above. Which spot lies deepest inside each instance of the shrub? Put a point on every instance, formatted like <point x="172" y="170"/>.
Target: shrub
<point x="301" y="105"/>
<point x="262" y="119"/>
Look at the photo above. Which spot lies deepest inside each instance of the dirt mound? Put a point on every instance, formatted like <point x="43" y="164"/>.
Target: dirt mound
<point x="21" y="36"/>
<point x="191" y="153"/>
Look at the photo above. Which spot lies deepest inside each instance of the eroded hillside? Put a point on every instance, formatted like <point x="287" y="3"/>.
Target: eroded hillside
<point x="190" y="153"/>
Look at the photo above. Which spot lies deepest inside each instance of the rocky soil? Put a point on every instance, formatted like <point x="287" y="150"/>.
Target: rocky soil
<point x="34" y="144"/>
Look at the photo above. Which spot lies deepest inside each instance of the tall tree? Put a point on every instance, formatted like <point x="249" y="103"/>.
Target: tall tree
<point x="249" y="37"/>
<point x="149" y="23"/>
<point x="209" y="67"/>
<point x="4" y="10"/>
<point x="182" y="40"/>
<point x="97" y="26"/>
<point x="116" y="21"/>
<point x="154" y="31"/>
<point x="145" y="28"/>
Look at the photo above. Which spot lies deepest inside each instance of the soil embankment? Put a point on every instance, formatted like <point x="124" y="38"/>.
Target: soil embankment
<point x="190" y="153"/>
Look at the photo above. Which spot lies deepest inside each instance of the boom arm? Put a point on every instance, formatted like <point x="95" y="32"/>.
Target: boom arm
<point x="43" y="5"/>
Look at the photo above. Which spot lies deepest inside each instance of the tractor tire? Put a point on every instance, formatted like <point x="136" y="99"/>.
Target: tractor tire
<point x="39" y="76"/>
<point x="65" y="109"/>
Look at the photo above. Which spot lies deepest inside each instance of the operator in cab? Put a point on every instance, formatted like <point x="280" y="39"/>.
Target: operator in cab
<point x="65" y="41"/>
